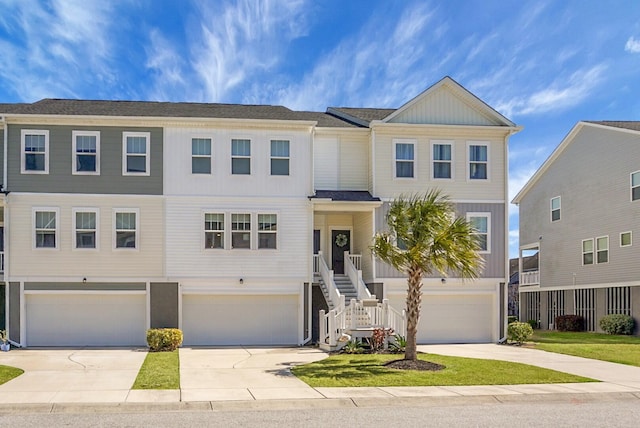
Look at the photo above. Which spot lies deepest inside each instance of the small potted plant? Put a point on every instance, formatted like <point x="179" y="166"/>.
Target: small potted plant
<point x="4" y="342"/>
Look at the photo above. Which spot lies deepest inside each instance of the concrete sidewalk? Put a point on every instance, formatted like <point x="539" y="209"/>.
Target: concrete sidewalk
<point x="244" y="375"/>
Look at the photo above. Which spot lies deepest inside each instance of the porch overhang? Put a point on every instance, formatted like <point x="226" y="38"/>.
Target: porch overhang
<point x="344" y="200"/>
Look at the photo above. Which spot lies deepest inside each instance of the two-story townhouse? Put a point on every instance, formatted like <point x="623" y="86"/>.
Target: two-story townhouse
<point x="218" y="218"/>
<point x="579" y="213"/>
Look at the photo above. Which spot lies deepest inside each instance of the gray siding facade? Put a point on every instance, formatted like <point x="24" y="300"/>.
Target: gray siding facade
<point x="592" y="178"/>
<point x="60" y="178"/>
<point x="494" y="261"/>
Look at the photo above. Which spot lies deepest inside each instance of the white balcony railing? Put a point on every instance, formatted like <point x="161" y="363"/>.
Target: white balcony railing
<point x="530" y="278"/>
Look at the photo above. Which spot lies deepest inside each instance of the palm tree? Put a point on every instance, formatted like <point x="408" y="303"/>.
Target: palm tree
<point x="425" y="237"/>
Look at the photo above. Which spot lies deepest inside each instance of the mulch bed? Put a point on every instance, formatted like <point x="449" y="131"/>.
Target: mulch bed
<point x="414" y="365"/>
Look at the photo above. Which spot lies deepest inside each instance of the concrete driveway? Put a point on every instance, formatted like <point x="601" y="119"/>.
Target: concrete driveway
<point x="56" y="375"/>
<point x="244" y="373"/>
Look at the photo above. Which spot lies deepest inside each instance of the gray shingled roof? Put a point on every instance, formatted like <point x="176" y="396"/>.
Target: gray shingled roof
<point x="345" y="195"/>
<point x="325" y="120"/>
<point x="633" y="125"/>
<point x="360" y="116"/>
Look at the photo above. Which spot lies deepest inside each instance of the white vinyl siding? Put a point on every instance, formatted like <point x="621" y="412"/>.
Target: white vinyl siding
<point x="442" y="156"/>
<point x="280" y="157"/>
<point x="34" y="153"/>
<point x="45" y="228"/>
<point x="241" y="157"/>
<point x="85" y="228"/>
<point x="136" y="153"/>
<point x="555" y="208"/>
<point x="481" y="223"/>
<point x="86" y="152"/>
<point x="478" y="160"/>
<point x="201" y="155"/>
<point x="587" y="251"/>
<point x="214" y="230"/>
<point x="405" y="159"/>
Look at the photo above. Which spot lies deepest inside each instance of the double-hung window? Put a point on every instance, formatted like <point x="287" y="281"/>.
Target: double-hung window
<point x="240" y="231"/>
<point x="555" y="208"/>
<point x="587" y="251"/>
<point x="136" y="153"/>
<point x="602" y="249"/>
<point x="442" y="160"/>
<point x="35" y="152"/>
<point x="267" y="231"/>
<point x="279" y="157"/>
<point x="635" y="186"/>
<point x="213" y="230"/>
<point x="85" y="227"/>
<point x="45" y="227"/>
<point x="241" y="157"/>
<point x="201" y="155"/>
<point x="481" y="225"/>
<point x="478" y="161"/>
<point x="404" y="163"/>
<point x="126" y="226"/>
<point x="86" y="152"/>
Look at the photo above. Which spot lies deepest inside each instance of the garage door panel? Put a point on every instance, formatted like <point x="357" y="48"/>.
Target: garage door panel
<point x="85" y="320"/>
<point x="240" y="320"/>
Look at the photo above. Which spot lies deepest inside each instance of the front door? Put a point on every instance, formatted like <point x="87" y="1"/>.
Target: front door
<point x="340" y="242"/>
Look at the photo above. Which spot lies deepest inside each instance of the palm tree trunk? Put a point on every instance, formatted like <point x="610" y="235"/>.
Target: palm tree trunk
<point x="414" y="302"/>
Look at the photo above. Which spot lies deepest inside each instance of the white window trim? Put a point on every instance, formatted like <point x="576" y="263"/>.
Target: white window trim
<point x="74" y="153"/>
<point x="225" y="227"/>
<point x="277" y="231"/>
<point x="488" y="162"/>
<point x="23" y="163"/>
<point x="452" y="161"/>
<point x="632" y="186"/>
<point x="113" y="229"/>
<point x="595" y="243"/>
<point x="96" y="211"/>
<point x="583" y="252"/>
<point x="201" y="137"/>
<point x="147" y="136"/>
<point x="551" y="208"/>
<point x="33" y="228"/>
<point x="488" y="216"/>
<point x="232" y="156"/>
<point x="414" y="143"/>
<point x="280" y="157"/>
<point x="630" y="236"/>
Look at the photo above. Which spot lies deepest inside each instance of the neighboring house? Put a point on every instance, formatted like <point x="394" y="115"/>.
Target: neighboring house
<point x="528" y="264"/>
<point x="579" y="213"/>
<point x="220" y="219"/>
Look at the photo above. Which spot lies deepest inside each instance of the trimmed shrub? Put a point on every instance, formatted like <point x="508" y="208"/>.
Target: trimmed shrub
<point x="399" y="344"/>
<point x="512" y="318"/>
<point x="519" y="332"/>
<point x="570" y="323"/>
<point x="164" y="339"/>
<point x="533" y="323"/>
<point x="617" y="324"/>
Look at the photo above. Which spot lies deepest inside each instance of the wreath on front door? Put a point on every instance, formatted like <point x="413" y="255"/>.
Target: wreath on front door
<point x="341" y="240"/>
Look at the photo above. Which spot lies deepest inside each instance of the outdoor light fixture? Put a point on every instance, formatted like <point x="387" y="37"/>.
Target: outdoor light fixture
<point x="84" y="280"/>
<point x="443" y="280"/>
<point x="241" y="281"/>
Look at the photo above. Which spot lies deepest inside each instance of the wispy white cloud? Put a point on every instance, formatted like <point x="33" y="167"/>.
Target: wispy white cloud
<point x="632" y="45"/>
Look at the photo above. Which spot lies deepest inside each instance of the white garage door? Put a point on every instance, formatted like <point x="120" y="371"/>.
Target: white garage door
<point x="454" y="318"/>
<point x="240" y="320"/>
<point x="85" y="319"/>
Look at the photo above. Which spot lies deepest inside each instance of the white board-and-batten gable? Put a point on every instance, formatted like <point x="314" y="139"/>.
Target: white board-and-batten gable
<point x="447" y="103"/>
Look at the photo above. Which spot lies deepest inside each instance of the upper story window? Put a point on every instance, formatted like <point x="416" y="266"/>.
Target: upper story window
<point x="555" y="208"/>
<point x="587" y="251"/>
<point x="635" y="186"/>
<point x="35" y="152"/>
<point x="279" y="157"/>
<point x="213" y="230"/>
<point x="126" y="226"/>
<point x="85" y="226"/>
<point x="404" y="159"/>
<point x="442" y="160"/>
<point x="86" y="152"/>
<point x="267" y="230"/>
<point x="625" y="239"/>
<point x="481" y="224"/>
<point x="135" y="153"/>
<point x="201" y="155"/>
<point x="240" y="230"/>
<point x="241" y="157"/>
<point x="45" y="227"/>
<point x="602" y="249"/>
<point x="478" y="161"/>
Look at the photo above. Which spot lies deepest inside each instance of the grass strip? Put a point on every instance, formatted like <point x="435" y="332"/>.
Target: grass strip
<point x="7" y="373"/>
<point x="160" y="370"/>
<point x="344" y="370"/>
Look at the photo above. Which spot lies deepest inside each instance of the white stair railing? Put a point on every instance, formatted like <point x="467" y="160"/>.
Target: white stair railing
<point x="316" y="264"/>
<point x="327" y="277"/>
<point x="355" y="275"/>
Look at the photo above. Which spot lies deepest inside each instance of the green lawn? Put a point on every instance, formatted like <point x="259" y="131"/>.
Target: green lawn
<point x="160" y="370"/>
<point x="7" y="373"/>
<point x="599" y="346"/>
<point x="368" y="370"/>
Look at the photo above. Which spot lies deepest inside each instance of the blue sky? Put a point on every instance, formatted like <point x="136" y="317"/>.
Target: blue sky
<point x="543" y="64"/>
